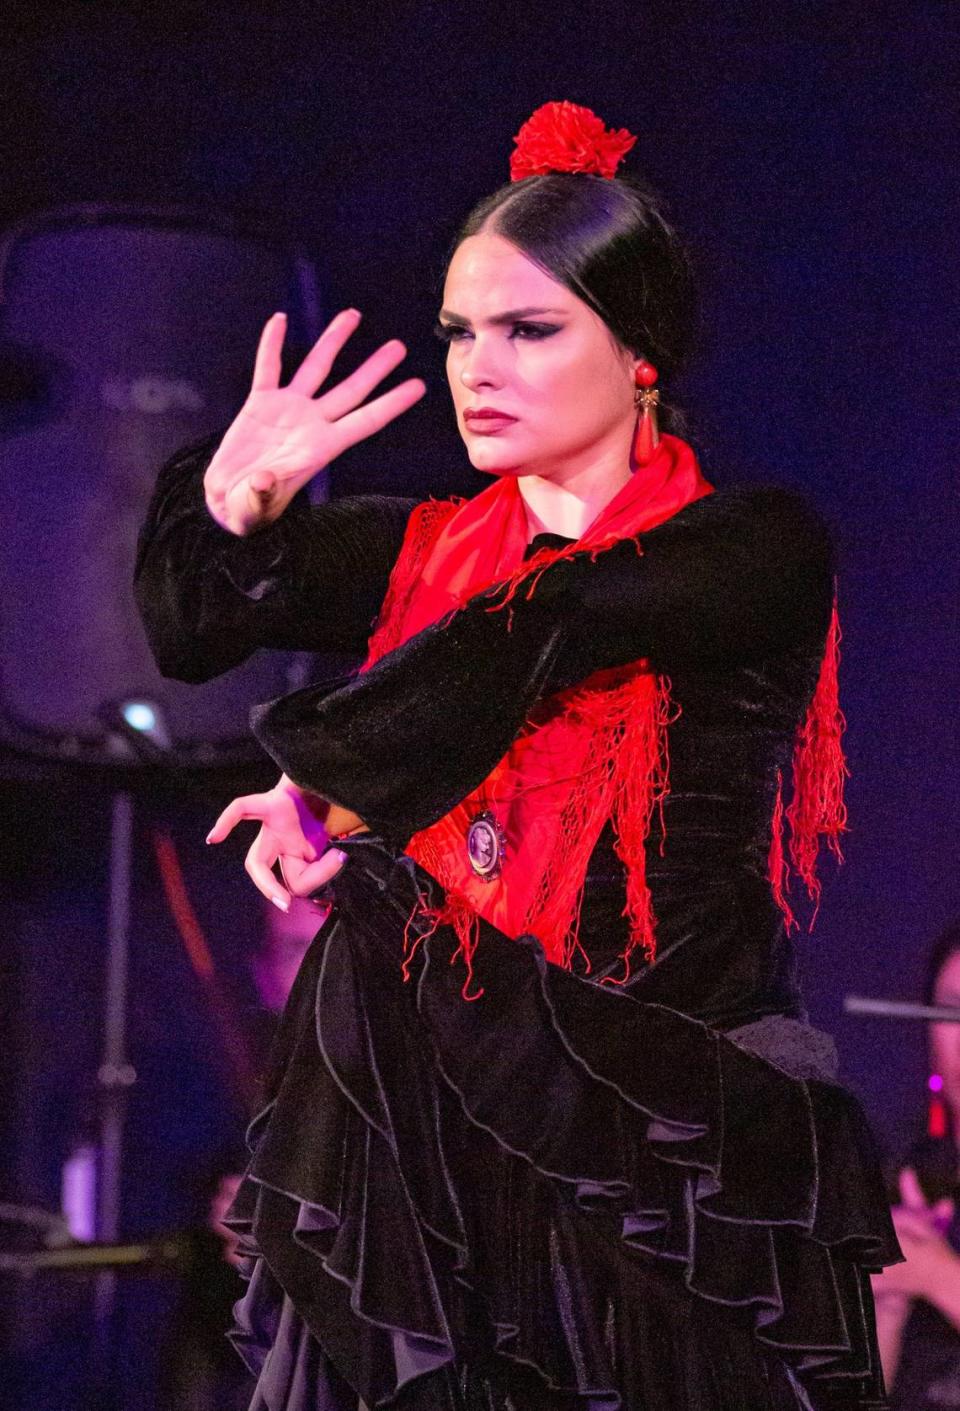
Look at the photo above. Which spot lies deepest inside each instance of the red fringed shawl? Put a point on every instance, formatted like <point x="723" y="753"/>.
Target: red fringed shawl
<point x="595" y="752"/>
<point x="816" y="809"/>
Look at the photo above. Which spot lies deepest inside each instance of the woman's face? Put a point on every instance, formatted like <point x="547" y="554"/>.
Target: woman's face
<point x="945" y="1038"/>
<point x="555" y="387"/>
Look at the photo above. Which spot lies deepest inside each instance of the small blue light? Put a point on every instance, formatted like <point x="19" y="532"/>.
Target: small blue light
<point x="139" y="716"/>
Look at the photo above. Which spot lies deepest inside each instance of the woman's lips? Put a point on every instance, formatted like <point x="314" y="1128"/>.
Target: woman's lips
<point x="487" y="423"/>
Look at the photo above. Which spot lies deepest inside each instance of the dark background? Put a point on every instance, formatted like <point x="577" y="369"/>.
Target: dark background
<point x="809" y="151"/>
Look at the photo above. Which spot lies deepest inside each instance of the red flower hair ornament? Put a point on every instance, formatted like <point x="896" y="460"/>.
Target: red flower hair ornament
<point x="567" y="137"/>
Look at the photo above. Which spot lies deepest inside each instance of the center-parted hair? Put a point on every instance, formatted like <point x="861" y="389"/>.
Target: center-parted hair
<point x="610" y="243"/>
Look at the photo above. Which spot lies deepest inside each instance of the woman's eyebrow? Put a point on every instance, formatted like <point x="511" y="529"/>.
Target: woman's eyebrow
<point x="510" y="316"/>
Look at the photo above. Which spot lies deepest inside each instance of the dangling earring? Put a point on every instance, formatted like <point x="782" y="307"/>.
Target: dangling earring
<point x="647" y="437"/>
<point x="936" y="1110"/>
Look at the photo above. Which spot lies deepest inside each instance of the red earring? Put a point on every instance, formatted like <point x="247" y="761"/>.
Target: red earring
<point x="937" y="1109"/>
<point x="647" y="437"/>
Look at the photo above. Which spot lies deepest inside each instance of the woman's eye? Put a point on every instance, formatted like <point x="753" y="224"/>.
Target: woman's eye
<point x="451" y="332"/>
<point x="459" y="333"/>
<point x="534" y="330"/>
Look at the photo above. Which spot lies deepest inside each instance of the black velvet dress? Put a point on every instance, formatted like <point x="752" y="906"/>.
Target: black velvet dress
<point x="564" y="1196"/>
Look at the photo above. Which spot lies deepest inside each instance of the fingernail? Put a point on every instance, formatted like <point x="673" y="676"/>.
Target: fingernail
<point x="208" y="838"/>
<point x="279" y="902"/>
<point x="343" y="856"/>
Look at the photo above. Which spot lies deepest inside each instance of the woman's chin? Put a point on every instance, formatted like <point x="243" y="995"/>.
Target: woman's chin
<point x="492" y="460"/>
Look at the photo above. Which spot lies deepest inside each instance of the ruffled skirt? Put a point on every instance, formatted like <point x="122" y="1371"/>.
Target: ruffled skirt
<point x="552" y="1198"/>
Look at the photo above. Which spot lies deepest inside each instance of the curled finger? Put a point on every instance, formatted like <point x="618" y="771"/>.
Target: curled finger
<point x="259" y="868"/>
<point x="250" y="806"/>
<point x="302" y="878"/>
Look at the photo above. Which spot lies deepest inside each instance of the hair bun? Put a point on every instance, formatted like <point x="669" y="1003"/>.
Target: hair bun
<point x="565" y="137"/>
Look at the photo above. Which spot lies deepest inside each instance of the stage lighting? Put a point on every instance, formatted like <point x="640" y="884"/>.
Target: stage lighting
<point x="143" y="723"/>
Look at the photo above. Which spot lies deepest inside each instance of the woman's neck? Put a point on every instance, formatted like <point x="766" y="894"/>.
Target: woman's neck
<point x="568" y="502"/>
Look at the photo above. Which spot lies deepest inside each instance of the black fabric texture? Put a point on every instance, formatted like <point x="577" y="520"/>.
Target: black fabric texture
<point x="689" y="603"/>
<point x="705" y="602"/>
<point x="313" y="580"/>
<point x="567" y="1195"/>
<point x="553" y="1179"/>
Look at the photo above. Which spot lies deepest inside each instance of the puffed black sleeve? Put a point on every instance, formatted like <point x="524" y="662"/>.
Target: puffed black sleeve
<point x="313" y="580"/>
<point x="738" y="576"/>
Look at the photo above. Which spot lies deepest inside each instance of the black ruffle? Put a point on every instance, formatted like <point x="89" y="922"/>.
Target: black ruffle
<point x="554" y="1175"/>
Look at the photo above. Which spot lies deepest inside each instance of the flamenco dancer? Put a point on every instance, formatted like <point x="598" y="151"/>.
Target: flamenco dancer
<point x="547" y="1128"/>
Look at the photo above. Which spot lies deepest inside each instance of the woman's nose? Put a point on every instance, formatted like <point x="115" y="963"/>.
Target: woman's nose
<point x="481" y="368"/>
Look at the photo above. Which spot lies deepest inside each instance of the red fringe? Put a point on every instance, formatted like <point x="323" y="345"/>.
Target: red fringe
<point x="624" y="778"/>
<point x="423" y="530"/>
<point x="528" y="573"/>
<point x="644" y="772"/>
<point x="778" y="870"/>
<point x="456" y="912"/>
<point x="817" y="809"/>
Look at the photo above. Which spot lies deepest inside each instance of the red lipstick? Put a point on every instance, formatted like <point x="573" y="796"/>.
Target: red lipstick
<point x="486" y="421"/>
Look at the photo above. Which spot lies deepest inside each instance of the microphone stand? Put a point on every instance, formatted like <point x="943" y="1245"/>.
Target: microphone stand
<point x="116" y="1075"/>
<point x="115" y="1078"/>
<point x="900" y="1009"/>
<point x="171" y="1252"/>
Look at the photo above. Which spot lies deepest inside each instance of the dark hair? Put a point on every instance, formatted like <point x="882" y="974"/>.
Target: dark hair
<point x="610" y="243"/>
<point x="946" y="945"/>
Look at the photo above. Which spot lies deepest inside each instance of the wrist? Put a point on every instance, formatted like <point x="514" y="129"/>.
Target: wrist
<point x="240" y="516"/>
<point x="343" y="822"/>
<point x="300" y="791"/>
<point x="312" y="809"/>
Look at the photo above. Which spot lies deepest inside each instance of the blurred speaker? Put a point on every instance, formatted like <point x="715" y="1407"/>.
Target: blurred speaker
<point x="125" y="333"/>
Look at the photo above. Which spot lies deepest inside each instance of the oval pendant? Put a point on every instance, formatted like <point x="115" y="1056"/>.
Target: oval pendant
<point x="486" y="846"/>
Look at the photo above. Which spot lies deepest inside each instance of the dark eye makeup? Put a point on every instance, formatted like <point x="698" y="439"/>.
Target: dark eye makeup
<point x="523" y="329"/>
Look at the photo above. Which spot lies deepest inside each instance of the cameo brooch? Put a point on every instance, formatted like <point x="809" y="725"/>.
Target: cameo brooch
<point x="486" y="846"/>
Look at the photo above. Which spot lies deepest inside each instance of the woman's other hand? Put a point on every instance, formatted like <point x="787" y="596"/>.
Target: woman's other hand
<point x="283" y="436"/>
<point x="930" y="1264"/>
<point x="292" y="832"/>
<point x="221" y="1201"/>
<point x="931" y="1270"/>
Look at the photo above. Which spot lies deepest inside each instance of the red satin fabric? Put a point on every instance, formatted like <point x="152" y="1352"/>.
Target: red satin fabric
<point x="484" y="541"/>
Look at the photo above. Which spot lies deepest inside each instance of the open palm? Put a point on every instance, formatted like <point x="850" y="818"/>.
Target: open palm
<point x="283" y="436"/>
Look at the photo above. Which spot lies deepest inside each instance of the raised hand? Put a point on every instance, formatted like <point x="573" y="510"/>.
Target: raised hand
<point x="283" y="436"/>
